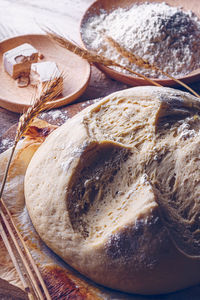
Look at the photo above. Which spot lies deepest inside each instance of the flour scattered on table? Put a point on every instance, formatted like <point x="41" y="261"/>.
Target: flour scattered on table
<point x="5" y="143"/>
<point x="166" y="36"/>
<point x="88" y="102"/>
<point x="55" y="117"/>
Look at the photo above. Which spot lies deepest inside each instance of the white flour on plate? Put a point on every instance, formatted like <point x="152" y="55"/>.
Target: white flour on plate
<point x="166" y="36"/>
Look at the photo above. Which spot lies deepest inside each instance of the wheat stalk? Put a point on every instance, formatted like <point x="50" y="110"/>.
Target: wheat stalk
<point x="23" y="255"/>
<point x="143" y="63"/>
<point x="13" y="255"/>
<point x="90" y="56"/>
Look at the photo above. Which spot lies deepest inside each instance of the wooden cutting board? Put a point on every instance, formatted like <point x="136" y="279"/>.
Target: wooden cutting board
<point x="63" y="282"/>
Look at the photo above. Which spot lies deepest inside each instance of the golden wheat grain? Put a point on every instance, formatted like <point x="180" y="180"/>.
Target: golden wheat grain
<point x="49" y="93"/>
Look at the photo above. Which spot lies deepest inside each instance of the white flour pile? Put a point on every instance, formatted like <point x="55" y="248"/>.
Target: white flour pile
<point x="164" y="35"/>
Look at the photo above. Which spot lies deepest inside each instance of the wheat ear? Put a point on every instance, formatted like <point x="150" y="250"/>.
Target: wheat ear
<point x="143" y="63"/>
<point x="49" y="92"/>
<point x="90" y="56"/>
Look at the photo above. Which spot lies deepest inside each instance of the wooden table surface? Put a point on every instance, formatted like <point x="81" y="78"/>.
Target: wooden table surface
<point x="27" y="16"/>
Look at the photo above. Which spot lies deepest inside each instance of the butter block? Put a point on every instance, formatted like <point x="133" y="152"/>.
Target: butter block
<point x="44" y="73"/>
<point x="17" y="61"/>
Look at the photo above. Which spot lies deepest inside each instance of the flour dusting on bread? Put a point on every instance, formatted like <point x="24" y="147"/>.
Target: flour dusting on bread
<point x="121" y="199"/>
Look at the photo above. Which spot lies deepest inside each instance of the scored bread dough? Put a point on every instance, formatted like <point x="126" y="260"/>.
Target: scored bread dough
<point x="115" y="191"/>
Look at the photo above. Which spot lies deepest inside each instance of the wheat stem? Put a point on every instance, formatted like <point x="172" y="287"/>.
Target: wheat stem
<point x="7" y="168"/>
<point x="90" y="56"/>
<point x="181" y="83"/>
<point x="33" y="264"/>
<point x="13" y="258"/>
<point x="21" y="255"/>
<point x="140" y="62"/>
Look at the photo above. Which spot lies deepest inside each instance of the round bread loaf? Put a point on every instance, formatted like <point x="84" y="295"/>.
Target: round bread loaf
<point x="115" y="191"/>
